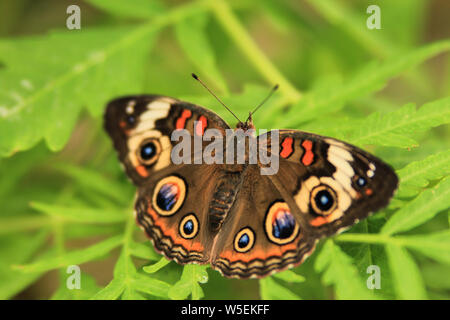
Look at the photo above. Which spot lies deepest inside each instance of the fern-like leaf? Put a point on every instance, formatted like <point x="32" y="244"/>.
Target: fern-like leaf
<point x="407" y="279"/>
<point x="74" y="257"/>
<point x="372" y="78"/>
<point x="421" y="209"/>
<point x="44" y="101"/>
<point x="189" y="283"/>
<point x="340" y="272"/>
<point x="399" y="127"/>
<point x="416" y="175"/>
<point x="130" y="8"/>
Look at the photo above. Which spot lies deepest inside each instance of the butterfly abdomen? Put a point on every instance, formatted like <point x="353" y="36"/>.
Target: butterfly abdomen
<point x="222" y="200"/>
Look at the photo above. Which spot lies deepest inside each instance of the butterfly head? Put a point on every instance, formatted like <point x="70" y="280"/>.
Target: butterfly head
<point x="247" y="125"/>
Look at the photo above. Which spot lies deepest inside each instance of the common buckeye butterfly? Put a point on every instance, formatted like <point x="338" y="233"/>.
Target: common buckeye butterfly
<point x="243" y="223"/>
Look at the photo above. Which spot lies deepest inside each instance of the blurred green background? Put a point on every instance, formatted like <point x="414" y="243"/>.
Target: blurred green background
<point x="64" y="199"/>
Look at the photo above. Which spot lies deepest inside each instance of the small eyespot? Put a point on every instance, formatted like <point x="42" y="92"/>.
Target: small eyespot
<point x="148" y="151"/>
<point x="189" y="226"/>
<point x="169" y="195"/>
<point x="361" y="182"/>
<point x="244" y="240"/>
<point x="280" y="225"/>
<point x="131" y="120"/>
<point x="323" y="200"/>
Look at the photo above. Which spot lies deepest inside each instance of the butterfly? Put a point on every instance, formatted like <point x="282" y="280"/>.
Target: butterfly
<point x="245" y="224"/>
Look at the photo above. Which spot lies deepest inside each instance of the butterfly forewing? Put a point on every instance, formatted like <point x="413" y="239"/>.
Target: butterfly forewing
<point x="334" y="184"/>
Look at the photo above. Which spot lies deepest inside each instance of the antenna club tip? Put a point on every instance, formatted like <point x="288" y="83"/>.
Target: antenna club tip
<point x="194" y="76"/>
<point x="276" y="87"/>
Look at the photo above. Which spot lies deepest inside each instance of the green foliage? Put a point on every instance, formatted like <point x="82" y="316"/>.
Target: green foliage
<point x="396" y="128"/>
<point x="406" y="274"/>
<point x="65" y="200"/>
<point x="338" y="270"/>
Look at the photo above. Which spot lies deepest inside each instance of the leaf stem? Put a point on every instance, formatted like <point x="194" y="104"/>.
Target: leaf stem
<point x="247" y="45"/>
<point x="374" y="238"/>
<point x="364" y="237"/>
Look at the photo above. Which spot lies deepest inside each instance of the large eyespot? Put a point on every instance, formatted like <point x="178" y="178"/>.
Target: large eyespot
<point x="280" y="225"/>
<point x="189" y="226"/>
<point x="244" y="240"/>
<point x="148" y="151"/>
<point x="169" y="195"/>
<point x="323" y="200"/>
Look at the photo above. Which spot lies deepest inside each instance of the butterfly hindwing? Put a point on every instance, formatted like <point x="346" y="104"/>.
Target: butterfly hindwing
<point x="260" y="234"/>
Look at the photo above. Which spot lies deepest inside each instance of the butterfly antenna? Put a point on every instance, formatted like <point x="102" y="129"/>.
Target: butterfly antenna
<point x="264" y="101"/>
<point x="204" y="85"/>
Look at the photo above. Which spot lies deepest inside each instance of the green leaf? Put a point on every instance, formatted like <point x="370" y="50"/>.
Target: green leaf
<point x="130" y="8"/>
<point x="191" y="35"/>
<point x="124" y="268"/>
<point x="94" y="181"/>
<point x="111" y="292"/>
<point x="416" y="175"/>
<point x="157" y="266"/>
<point x="340" y="16"/>
<point x="15" y="249"/>
<point x="131" y="294"/>
<point x="13" y="169"/>
<point x="370" y="79"/>
<point x="23" y="223"/>
<point x="74" y="257"/>
<point x="44" y="99"/>
<point x="436" y="276"/>
<point x="269" y="289"/>
<point x="289" y="276"/>
<point x="124" y="273"/>
<point x="340" y="272"/>
<point x="421" y="209"/>
<point x="407" y="279"/>
<point x="88" y="287"/>
<point x="189" y="283"/>
<point x="143" y="251"/>
<point x="434" y="245"/>
<point x="366" y="255"/>
<point x="398" y="127"/>
<point x="151" y="286"/>
<point x="81" y="214"/>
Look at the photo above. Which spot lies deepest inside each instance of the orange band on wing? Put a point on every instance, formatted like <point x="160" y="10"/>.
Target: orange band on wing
<point x="308" y="157"/>
<point x="181" y="121"/>
<point x="201" y="125"/>
<point x="171" y="233"/>
<point x="274" y="250"/>
<point x="317" y="222"/>
<point x="286" y="147"/>
<point x="142" y="171"/>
